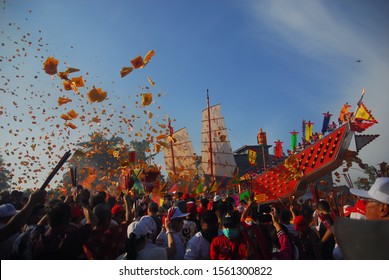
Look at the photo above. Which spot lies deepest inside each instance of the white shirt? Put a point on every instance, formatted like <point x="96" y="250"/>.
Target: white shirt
<point x="189" y="229"/>
<point x="180" y="246"/>
<point x="198" y="247"/>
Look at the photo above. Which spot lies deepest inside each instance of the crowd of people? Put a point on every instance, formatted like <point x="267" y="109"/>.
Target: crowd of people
<point x="97" y="226"/>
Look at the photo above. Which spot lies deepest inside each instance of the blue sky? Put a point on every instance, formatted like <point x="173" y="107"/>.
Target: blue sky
<point x="269" y="63"/>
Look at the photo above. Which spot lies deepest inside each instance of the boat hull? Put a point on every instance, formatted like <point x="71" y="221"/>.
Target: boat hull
<point x="307" y="166"/>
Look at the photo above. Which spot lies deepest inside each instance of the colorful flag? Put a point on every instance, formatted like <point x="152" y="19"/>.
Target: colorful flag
<point x="293" y="140"/>
<point x="213" y="186"/>
<point x="278" y="149"/>
<point x="252" y="157"/>
<point x="363" y="114"/>
<point x="163" y="188"/>
<point x="199" y="189"/>
<point x="235" y="179"/>
<point x="245" y="196"/>
<point x="174" y="188"/>
<point x="308" y="130"/>
<point x="326" y="122"/>
<point x="361" y="125"/>
<point x="344" y="112"/>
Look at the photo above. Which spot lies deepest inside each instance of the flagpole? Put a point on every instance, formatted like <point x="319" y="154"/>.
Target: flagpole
<point x="263" y="157"/>
<point x="358" y="104"/>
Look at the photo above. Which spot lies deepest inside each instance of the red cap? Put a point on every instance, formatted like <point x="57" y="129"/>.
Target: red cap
<point x="117" y="209"/>
<point x="191" y="207"/>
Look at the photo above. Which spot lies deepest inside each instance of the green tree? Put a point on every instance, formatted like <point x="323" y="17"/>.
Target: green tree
<point x="4" y="176"/>
<point x="98" y="162"/>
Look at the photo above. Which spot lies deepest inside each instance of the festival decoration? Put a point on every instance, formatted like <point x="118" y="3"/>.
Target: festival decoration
<point x="138" y="62"/>
<point x="308" y="130"/>
<point x="362" y="140"/>
<point x="278" y="149"/>
<point x="148" y="56"/>
<point x="50" y="65"/>
<point x="96" y="95"/>
<point x="63" y="100"/>
<point x="252" y="157"/>
<point x="326" y="122"/>
<point x="261" y="138"/>
<point x="343" y="116"/>
<point x="125" y="71"/>
<point x="147" y="98"/>
<point x="293" y="140"/>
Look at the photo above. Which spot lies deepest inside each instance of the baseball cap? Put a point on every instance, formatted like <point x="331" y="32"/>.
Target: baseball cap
<point x="137" y="228"/>
<point x="175" y="213"/>
<point x="191" y="207"/>
<point x="230" y="218"/>
<point x="216" y="198"/>
<point x="379" y="191"/>
<point x="149" y="223"/>
<point x="7" y="210"/>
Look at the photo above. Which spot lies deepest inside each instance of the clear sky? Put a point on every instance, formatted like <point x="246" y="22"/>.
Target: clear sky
<point x="269" y="63"/>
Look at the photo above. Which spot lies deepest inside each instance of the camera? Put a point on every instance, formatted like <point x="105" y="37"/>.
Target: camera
<point x="264" y="213"/>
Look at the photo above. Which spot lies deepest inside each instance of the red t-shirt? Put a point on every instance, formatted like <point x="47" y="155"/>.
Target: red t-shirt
<point x="224" y="249"/>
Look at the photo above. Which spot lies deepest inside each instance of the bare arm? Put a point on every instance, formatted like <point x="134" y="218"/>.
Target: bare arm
<point x="17" y="221"/>
<point x="247" y="210"/>
<point x="171" y="247"/>
<point x="128" y="206"/>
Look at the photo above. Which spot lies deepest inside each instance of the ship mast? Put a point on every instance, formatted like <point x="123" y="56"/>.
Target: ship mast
<point x="210" y="135"/>
<point x="171" y="131"/>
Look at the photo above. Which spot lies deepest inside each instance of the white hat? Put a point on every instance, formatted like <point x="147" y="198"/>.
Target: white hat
<point x="7" y="210"/>
<point x="175" y="213"/>
<point x="149" y="223"/>
<point x="379" y="190"/>
<point x="216" y="198"/>
<point x="137" y="228"/>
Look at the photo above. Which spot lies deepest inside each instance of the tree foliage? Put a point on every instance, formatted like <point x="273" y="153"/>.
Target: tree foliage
<point x="140" y="148"/>
<point x="101" y="162"/>
<point x="4" y="176"/>
<point x="366" y="182"/>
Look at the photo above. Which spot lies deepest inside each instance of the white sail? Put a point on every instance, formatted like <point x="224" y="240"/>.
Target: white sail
<point x="184" y="155"/>
<point x="223" y="161"/>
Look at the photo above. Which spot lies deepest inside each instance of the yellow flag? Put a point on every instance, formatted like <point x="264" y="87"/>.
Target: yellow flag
<point x="364" y="114"/>
<point x="213" y="187"/>
<point x="308" y="131"/>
